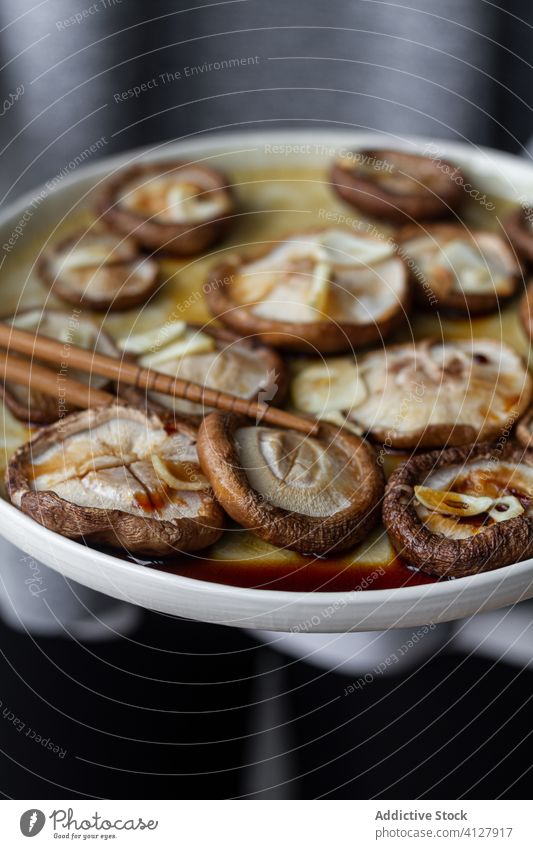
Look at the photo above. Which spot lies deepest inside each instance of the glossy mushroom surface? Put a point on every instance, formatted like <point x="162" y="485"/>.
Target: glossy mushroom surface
<point x="423" y="395"/>
<point x="114" y="476"/>
<point x="100" y="271"/>
<point x="30" y="405"/>
<point x="524" y="429"/>
<point x="519" y="228"/>
<point x="525" y="310"/>
<point x="177" y="207"/>
<point x="310" y="494"/>
<point x="396" y="185"/>
<point x="464" y="510"/>
<point x="323" y="291"/>
<point x="460" y="270"/>
<point x="211" y="356"/>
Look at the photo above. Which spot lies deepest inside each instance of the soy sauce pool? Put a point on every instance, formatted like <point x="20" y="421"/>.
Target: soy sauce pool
<point x="273" y="569"/>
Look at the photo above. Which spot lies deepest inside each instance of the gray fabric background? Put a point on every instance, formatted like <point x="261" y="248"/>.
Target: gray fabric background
<point x="449" y="68"/>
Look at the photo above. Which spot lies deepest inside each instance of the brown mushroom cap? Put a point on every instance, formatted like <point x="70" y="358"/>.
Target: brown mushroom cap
<point x="243" y="367"/>
<point x="519" y="228"/>
<point x="144" y="201"/>
<point x="396" y="186"/>
<point x="454" y="547"/>
<point x="32" y="405"/>
<point x="313" y="495"/>
<point x="525" y="310"/>
<point x="524" y="429"/>
<point x="459" y="270"/>
<point x="114" y="476"/>
<point x="101" y="271"/>
<point x="324" y="290"/>
<point x="437" y="393"/>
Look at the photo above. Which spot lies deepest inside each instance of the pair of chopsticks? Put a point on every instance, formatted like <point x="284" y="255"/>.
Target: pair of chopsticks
<point x="36" y="376"/>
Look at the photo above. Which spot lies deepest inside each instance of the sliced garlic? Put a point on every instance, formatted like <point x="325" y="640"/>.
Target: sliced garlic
<point x="329" y="386"/>
<point x="458" y="504"/>
<point x="185" y="483"/>
<point x="173" y="200"/>
<point x="452" y="503"/>
<point x="507" y="507"/>
<point x="348" y="249"/>
<point x="319" y="291"/>
<point x="186" y="202"/>
<point x="95" y="251"/>
<point x="336" y="418"/>
<point x="193" y="342"/>
<point x="139" y="343"/>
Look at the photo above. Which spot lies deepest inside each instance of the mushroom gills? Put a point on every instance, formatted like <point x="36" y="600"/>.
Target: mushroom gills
<point x="110" y="466"/>
<point x="325" y="275"/>
<point x="195" y="356"/>
<point x="294" y="472"/>
<point x="101" y="267"/>
<point x="433" y="392"/>
<point x="174" y="199"/>
<point x="470" y="269"/>
<point x="473" y="264"/>
<point x="69" y="330"/>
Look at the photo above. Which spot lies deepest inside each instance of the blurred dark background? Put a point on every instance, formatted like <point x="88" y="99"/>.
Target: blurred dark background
<point x="178" y="709"/>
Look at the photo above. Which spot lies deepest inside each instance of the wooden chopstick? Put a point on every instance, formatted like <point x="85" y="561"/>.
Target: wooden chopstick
<point x="121" y="371"/>
<point x="35" y="376"/>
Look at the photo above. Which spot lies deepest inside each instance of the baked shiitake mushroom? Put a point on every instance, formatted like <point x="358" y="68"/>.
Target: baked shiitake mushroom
<point x="524" y="429"/>
<point x="464" y="510"/>
<point x="31" y="405"/>
<point x="212" y="356"/>
<point x="100" y="271"/>
<point x="519" y="228"/>
<point x="460" y="270"/>
<point x="423" y="395"/>
<point x="179" y="207"/>
<point x="323" y="290"/>
<point x="315" y="495"/>
<point x="114" y="476"/>
<point x="525" y="310"/>
<point x="396" y="185"/>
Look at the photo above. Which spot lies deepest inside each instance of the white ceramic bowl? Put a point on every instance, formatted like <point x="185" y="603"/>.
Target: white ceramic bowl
<point x="499" y="173"/>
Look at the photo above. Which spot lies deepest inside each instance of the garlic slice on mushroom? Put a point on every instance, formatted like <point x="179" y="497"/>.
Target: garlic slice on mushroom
<point x="396" y="185"/>
<point x="327" y="290"/>
<point x="188" y="479"/>
<point x="92" y="476"/>
<point x="453" y="503"/>
<point x="180" y="207"/>
<point x="310" y="494"/>
<point x="458" y="269"/>
<point x="140" y="343"/>
<point x="30" y="405"/>
<point x="505" y="508"/>
<point x="433" y="393"/>
<point x="332" y="385"/>
<point x="100" y="271"/>
<point x="436" y="522"/>
<point x="190" y="343"/>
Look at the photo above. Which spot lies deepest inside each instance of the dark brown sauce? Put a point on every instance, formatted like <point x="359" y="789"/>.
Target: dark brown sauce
<point x="313" y="575"/>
